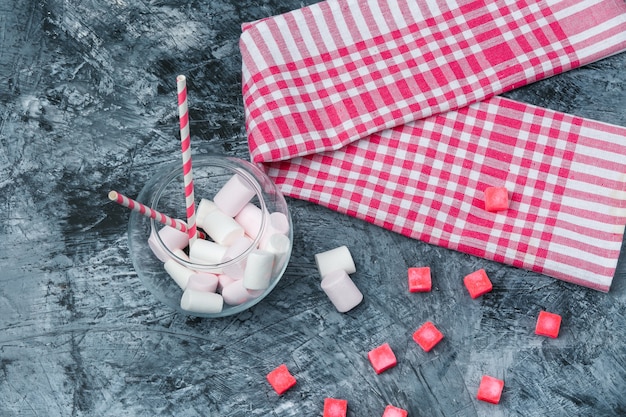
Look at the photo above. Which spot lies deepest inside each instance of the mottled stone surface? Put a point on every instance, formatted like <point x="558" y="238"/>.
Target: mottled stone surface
<point x="87" y="104"/>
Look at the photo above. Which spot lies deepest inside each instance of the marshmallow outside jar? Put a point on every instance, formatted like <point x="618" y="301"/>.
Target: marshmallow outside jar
<point x="165" y="193"/>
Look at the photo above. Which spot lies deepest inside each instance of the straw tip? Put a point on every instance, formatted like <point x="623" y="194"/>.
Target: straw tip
<point x="112" y="195"/>
<point x="181" y="78"/>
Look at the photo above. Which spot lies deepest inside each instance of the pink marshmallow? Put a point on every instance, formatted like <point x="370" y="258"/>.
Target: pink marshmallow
<point x="172" y="238"/>
<point x="202" y="281"/>
<point x="250" y="218"/>
<point x="279" y="223"/>
<point x="224" y="281"/>
<point x="235" y="270"/>
<point x="234" y="195"/>
<point x="341" y="290"/>
<point x="235" y="293"/>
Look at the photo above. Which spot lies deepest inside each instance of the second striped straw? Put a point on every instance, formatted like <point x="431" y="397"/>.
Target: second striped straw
<point x="151" y="213"/>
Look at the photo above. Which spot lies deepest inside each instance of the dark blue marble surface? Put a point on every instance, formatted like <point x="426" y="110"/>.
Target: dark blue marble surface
<point x="87" y="104"/>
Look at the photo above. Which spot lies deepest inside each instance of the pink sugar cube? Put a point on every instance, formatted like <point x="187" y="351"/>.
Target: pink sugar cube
<point x="335" y="408"/>
<point x="281" y="379"/>
<point x="477" y="283"/>
<point x="382" y="358"/>
<point x="490" y="389"/>
<point x="496" y="199"/>
<point x="419" y="279"/>
<point x="427" y="336"/>
<point x="548" y="324"/>
<point x="391" y="411"/>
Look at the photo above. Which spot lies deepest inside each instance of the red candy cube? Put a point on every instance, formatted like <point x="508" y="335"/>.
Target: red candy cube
<point x="427" y="336"/>
<point x="335" y="408"/>
<point x="419" y="279"/>
<point x="496" y="199"/>
<point x="548" y="324"/>
<point x="477" y="283"/>
<point x="391" y="411"/>
<point x="490" y="389"/>
<point x="382" y="358"/>
<point x="281" y="379"/>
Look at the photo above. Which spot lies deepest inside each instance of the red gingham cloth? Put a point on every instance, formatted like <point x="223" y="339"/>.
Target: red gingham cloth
<point x="366" y="107"/>
<point x="425" y="179"/>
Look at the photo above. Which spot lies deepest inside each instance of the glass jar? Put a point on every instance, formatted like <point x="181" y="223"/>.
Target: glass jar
<point x="165" y="193"/>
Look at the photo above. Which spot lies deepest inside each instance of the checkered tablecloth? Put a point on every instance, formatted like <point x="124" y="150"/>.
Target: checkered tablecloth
<point x="387" y="111"/>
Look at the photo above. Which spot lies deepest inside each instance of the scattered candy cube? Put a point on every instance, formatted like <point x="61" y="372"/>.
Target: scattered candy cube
<point x="427" y="336"/>
<point x="496" y="199"/>
<point x="382" y="358"/>
<point x="477" y="283"/>
<point x="391" y="411"/>
<point x="490" y="389"/>
<point x="335" y="408"/>
<point x="281" y="379"/>
<point x="419" y="279"/>
<point x="548" y="324"/>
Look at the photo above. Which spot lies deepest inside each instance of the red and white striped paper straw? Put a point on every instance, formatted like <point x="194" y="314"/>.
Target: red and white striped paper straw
<point x="185" y="141"/>
<point x="150" y="212"/>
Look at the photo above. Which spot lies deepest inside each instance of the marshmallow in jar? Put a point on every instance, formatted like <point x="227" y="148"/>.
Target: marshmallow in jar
<point x="247" y="243"/>
<point x="222" y="228"/>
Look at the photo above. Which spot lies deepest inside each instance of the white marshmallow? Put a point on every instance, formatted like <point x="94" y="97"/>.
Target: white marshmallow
<point x="234" y="195"/>
<point x="235" y="270"/>
<point x="250" y="218"/>
<point x="255" y="293"/>
<point x="201" y="302"/>
<point x="235" y="293"/>
<point x="181" y="254"/>
<point x="218" y="225"/>
<point x="172" y="238"/>
<point x="202" y="281"/>
<point x="179" y="273"/>
<point x="206" y="252"/>
<point x="278" y="244"/>
<point x="258" y="270"/>
<point x="341" y="290"/>
<point x="278" y="223"/>
<point x="335" y="259"/>
<point x="204" y="208"/>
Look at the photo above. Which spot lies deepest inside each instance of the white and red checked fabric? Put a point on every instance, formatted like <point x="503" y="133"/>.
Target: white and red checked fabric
<point x="348" y="105"/>
<point x="566" y="177"/>
<point x="322" y="76"/>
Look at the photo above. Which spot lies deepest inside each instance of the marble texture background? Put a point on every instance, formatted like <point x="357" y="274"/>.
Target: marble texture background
<point x="87" y="104"/>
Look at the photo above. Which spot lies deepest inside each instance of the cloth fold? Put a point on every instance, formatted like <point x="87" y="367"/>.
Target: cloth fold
<point x="385" y="110"/>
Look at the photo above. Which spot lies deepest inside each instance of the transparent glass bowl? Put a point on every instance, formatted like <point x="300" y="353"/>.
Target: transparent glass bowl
<point x="165" y="193"/>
